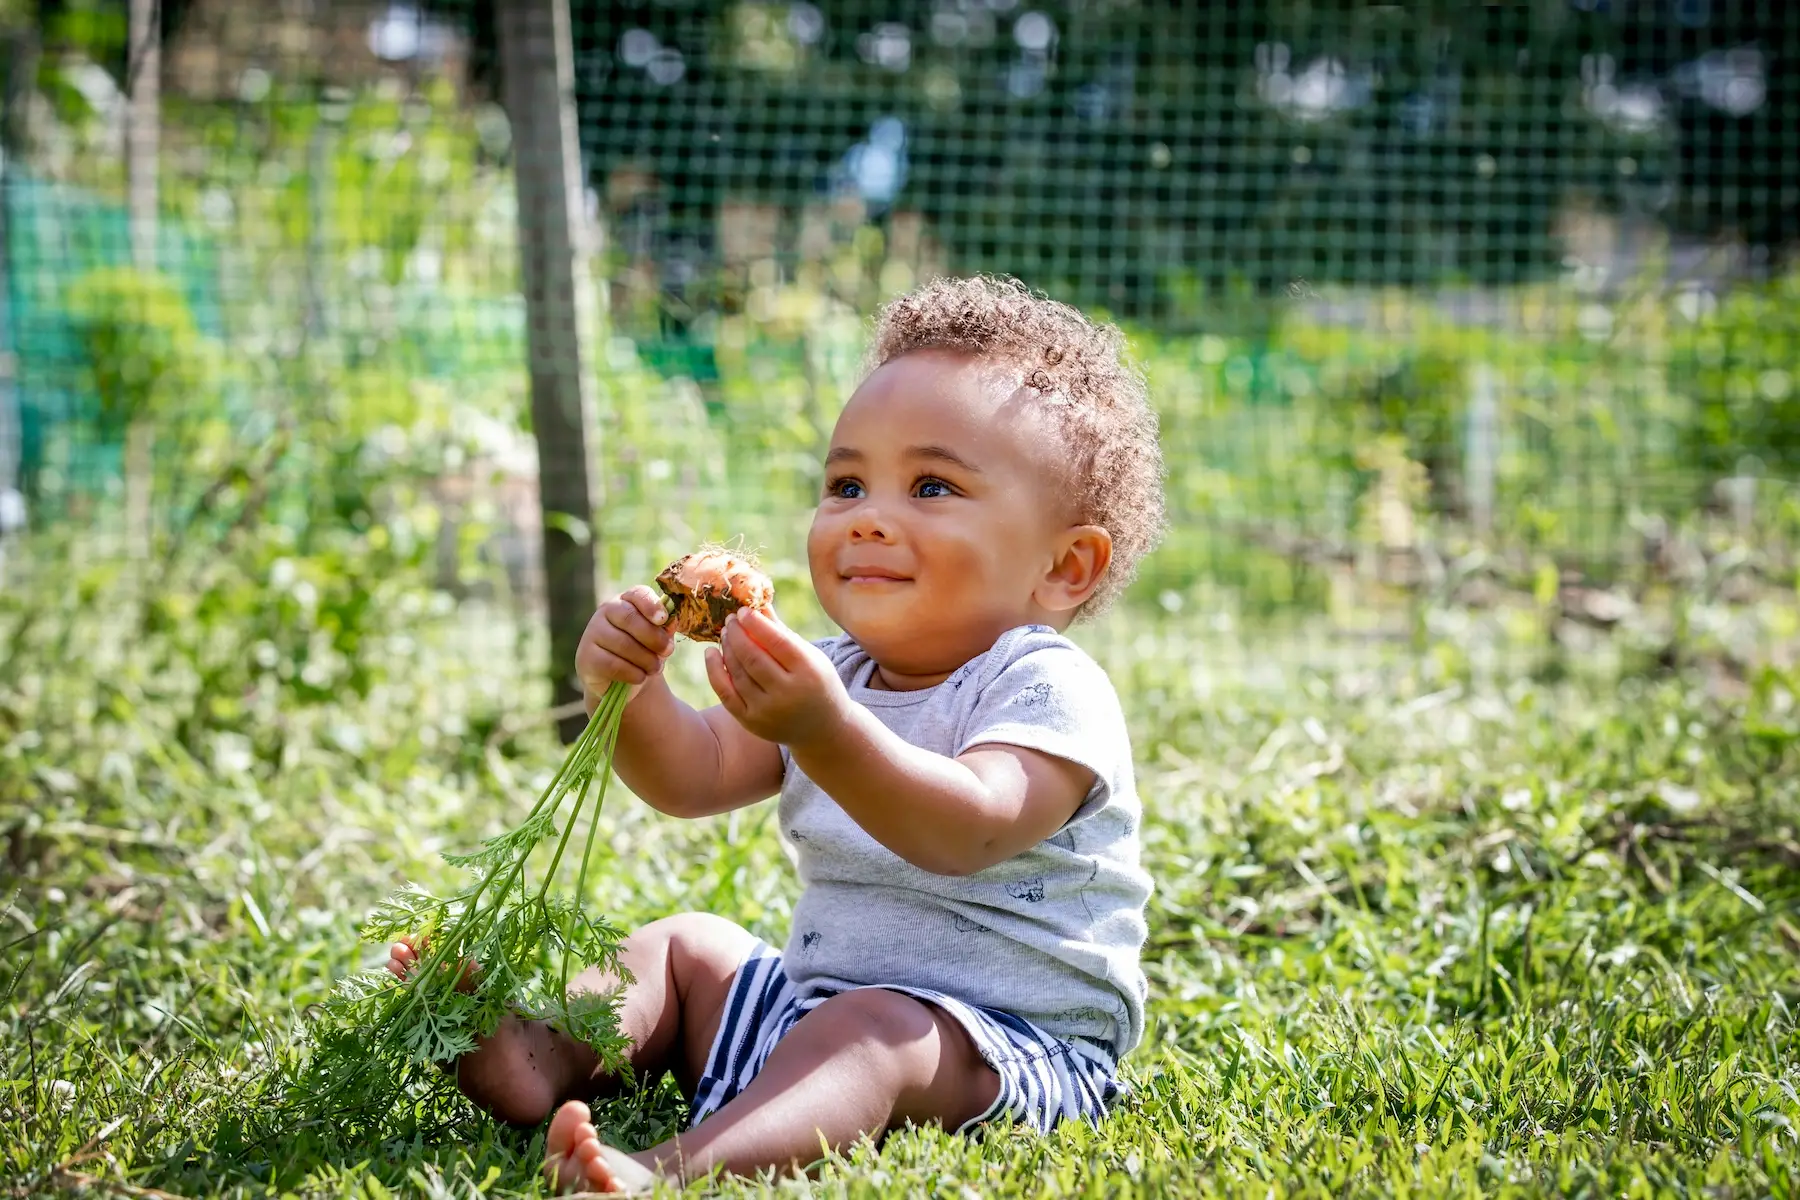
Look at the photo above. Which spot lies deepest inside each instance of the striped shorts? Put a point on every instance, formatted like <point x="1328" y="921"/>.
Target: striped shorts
<point x="1043" y="1079"/>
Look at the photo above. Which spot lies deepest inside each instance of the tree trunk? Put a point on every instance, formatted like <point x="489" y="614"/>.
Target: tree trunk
<point x="537" y="68"/>
<point x="142" y="118"/>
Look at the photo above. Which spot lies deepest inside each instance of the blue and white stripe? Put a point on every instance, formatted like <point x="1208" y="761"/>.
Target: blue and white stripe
<point x="1043" y="1079"/>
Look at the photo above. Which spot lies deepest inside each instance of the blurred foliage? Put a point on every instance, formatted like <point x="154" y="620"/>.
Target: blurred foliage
<point x="1139" y="158"/>
<point x="1160" y="164"/>
<point x="1637" y="439"/>
<point x="276" y="565"/>
<point x="143" y="348"/>
<point x="1739" y="362"/>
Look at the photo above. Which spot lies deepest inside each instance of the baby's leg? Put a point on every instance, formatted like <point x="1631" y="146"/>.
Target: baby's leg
<point x="682" y="968"/>
<point x="861" y="1063"/>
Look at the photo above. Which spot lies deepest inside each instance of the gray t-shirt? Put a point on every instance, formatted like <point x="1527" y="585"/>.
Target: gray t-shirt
<point x="1053" y="934"/>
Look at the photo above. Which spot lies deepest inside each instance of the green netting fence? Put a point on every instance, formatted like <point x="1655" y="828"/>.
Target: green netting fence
<point x="1437" y="299"/>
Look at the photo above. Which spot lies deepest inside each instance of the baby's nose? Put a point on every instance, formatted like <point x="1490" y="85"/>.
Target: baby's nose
<point x="868" y="526"/>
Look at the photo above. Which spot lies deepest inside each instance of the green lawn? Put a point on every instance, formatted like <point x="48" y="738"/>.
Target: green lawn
<point x="1413" y="932"/>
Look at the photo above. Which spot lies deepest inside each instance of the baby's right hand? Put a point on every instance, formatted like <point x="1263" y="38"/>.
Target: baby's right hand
<point x="626" y="641"/>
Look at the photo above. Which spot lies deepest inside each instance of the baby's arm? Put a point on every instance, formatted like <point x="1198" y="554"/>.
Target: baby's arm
<point x="949" y="816"/>
<point x="678" y="760"/>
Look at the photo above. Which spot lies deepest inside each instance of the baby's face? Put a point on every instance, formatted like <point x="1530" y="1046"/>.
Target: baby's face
<point x="940" y="517"/>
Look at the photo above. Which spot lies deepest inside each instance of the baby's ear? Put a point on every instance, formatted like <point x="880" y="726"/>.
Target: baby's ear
<point x="1082" y="560"/>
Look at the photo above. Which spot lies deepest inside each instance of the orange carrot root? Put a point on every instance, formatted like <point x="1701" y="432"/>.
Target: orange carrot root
<point x="709" y="585"/>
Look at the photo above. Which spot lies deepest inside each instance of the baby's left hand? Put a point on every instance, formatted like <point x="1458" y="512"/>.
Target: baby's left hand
<point x="777" y="684"/>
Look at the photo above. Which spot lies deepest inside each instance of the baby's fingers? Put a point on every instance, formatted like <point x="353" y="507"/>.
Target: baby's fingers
<point x="764" y="630"/>
<point x="750" y="664"/>
<point x="648" y="604"/>
<point x="609" y="653"/>
<point x="641" y="617"/>
<point x="719" y="675"/>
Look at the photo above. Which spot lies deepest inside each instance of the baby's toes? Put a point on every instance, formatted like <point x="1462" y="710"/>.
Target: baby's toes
<point x="401" y="957"/>
<point x="559" y="1141"/>
<point x="574" y="1158"/>
<point x="592" y="1170"/>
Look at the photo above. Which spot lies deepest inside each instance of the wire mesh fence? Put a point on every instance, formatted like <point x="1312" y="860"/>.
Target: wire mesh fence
<point x="1454" y="315"/>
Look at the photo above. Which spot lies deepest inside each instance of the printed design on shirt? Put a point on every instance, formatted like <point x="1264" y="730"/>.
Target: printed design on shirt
<point x="1036" y="694"/>
<point x="959" y="678"/>
<point x="1083" y="893"/>
<point x="964" y="925"/>
<point x="1031" y="891"/>
<point x="809" y="941"/>
<point x="796" y="835"/>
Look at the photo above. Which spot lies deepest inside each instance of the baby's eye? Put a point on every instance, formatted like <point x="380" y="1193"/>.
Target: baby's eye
<point x="929" y="489"/>
<point x="847" y="489"/>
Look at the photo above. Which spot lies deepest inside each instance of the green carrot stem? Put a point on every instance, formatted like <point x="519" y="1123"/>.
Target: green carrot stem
<point x="604" y="729"/>
<point x="579" y="765"/>
<point x="590" y="755"/>
<point x="587" y="851"/>
<point x="473" y="920"/>
<point x="563" y="841"/>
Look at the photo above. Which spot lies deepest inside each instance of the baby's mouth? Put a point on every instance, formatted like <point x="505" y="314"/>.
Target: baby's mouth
<point x="872" y="575"/>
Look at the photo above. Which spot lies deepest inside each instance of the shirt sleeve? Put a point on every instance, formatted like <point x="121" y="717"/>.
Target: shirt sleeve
<point x="1052" y="698"/>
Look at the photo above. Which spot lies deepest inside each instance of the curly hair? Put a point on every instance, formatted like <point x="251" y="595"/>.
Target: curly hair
<point x="1080" y="371"/>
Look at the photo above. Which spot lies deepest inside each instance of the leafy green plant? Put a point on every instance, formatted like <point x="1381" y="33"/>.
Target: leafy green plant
<point x="143" y="347"/>
<point x="1739" y="367"/>
<point x="496" y="946"/>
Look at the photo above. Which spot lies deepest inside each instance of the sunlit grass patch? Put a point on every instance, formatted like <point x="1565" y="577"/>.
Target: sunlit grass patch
<point x="1412" y="934"/>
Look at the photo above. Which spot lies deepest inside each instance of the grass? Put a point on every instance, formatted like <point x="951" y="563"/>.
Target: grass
<point x="1464" y="897"/>
<point x="1416" y="931"/>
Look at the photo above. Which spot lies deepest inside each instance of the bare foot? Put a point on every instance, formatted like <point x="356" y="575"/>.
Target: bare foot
<point x="575" y="1159"/>
<point x="517" y="1073"/>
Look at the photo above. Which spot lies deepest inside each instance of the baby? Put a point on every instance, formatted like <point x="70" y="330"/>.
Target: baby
<point x="955" y="777"/>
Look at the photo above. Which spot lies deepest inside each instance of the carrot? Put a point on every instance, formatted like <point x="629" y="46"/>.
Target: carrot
<point x="499" y="945"/>
<point x="709" y="585"/>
